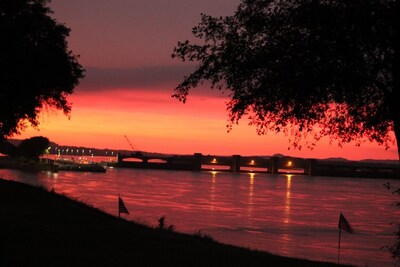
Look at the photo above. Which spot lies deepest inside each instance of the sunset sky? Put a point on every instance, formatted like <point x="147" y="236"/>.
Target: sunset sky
<point x="125" y="47"/>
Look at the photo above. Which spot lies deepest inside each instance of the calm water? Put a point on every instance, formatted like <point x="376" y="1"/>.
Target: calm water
<point x="291" y="215"/>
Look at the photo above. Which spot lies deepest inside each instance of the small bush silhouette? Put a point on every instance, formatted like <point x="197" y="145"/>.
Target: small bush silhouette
<point x="200" y="234"/>
<point x="161" y="224"/>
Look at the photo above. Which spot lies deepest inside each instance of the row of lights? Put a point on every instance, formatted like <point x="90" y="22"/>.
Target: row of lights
<point x="61" y="151"/>
<point x="214" y="161"/>
<point x="252" y="162"/>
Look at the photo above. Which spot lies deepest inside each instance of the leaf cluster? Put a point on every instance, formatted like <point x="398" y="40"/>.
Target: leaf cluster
<point x="302" y="67"/>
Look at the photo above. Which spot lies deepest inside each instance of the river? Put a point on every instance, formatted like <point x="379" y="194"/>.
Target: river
<point x="292" y="215"/>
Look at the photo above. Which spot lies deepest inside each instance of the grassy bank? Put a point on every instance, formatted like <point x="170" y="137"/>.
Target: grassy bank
<point x="40" y="228"/>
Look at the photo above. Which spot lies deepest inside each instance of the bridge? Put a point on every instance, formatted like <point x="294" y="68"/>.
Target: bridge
<point x="273" y="165"/>
<point x="140" y="160"/>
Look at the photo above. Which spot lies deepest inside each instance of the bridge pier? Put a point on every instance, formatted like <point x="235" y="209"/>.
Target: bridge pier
<point x="198" y="158"/>
<point x="235" y="166"/>
<point x="310" y="167"/>
<point x="273" y="165"/>
<point x="119" y="158"/>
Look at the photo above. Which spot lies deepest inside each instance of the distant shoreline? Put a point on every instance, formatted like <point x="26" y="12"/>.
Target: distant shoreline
<point x="89" y="151"/>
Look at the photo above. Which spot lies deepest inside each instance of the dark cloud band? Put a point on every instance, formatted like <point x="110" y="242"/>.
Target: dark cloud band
<point x="159" y="78"/>
<point x="143" y="77"/>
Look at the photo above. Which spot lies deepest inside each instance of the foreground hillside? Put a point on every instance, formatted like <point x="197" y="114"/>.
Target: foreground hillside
<point x="40" y="228"/>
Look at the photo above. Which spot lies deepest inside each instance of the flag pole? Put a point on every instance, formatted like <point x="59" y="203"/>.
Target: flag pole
<point x="340" y="234"/>
<point x="119" y="212"/>
<point x="343" y="224"/>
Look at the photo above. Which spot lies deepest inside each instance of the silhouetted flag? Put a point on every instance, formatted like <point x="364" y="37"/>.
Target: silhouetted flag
<point x="344" y="224"/>
<point x="121" y="206"/>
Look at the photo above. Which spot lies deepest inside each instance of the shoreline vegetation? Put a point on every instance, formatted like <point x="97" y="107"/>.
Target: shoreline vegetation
<point x="42" y="228"/>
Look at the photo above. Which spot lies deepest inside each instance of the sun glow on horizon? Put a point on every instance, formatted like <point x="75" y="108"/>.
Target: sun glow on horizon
<point x="155" y="122"/>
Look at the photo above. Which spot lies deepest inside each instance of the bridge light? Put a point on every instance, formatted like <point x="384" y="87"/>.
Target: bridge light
<point x="289" y="164"/>
<point x="214" y="160"/>
<point x="252" y="162"/>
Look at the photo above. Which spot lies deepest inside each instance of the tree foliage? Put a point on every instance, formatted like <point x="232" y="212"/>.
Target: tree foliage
<point x="308" y="68"/>
<point x="9" y="149"/>
<point x="37" y="70"/>
<point x="33" y="147"/>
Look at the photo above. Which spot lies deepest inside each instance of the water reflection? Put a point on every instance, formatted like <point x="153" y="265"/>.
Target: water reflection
<point x="286" y="237"/>
<point x="285" y="214"/>
<point x="250" y="195"/>
<point x="286" y="244"/>
<point x="287" y="199"/>
<point x="212" y="189"/>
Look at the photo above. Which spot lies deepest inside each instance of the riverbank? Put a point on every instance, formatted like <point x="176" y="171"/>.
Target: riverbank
<point x="40" y="228"/>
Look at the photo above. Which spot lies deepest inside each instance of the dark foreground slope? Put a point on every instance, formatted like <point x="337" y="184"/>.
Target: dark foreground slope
<point x="40" y="228"/>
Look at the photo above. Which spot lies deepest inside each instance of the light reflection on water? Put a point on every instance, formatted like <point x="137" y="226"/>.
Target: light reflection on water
<point x="290" y="215"/>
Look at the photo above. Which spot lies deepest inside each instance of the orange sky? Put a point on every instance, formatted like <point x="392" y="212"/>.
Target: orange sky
<point x="125" y="47"/>
<point x="155" y="122"/>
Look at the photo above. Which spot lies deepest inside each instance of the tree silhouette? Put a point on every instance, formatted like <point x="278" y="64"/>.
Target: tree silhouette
<point x="308" y="68"/>
<point x="33" y="147"/>
<point x="9" y="149"/>
<point x="37" y="70"/>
